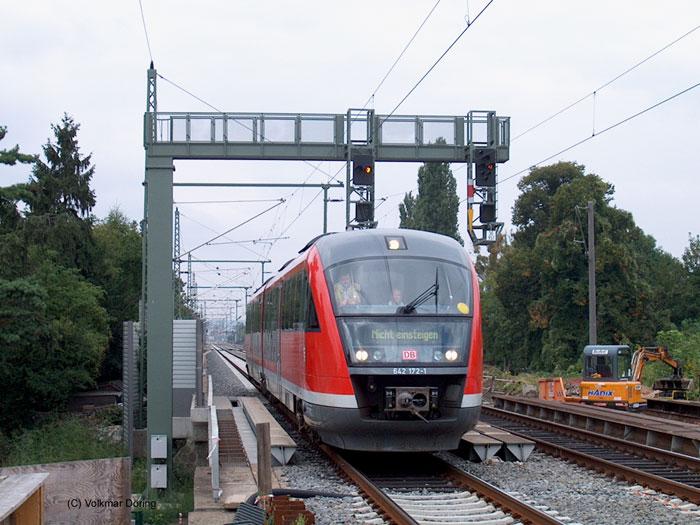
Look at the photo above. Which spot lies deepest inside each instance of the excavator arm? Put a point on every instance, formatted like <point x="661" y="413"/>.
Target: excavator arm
<point x="648" y="354"/>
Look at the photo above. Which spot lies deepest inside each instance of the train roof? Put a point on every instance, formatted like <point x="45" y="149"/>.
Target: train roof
<point x="348" y="245"/>
<point x="343" y="246"/>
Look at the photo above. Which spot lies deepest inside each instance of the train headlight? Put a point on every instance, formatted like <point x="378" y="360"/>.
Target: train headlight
<point x="377" y="355"/>
<point x="437" y="355"/>
<point x="451" y="355"/>
<point x="361" y="355"/>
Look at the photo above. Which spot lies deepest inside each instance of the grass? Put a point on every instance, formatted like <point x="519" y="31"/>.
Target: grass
<point x="61" y="438"/>
<point x="178" y="499"/>
<point x="66" y="437"/>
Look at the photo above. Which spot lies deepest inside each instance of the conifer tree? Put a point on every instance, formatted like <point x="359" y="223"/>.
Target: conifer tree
<point x="436" y="206"/>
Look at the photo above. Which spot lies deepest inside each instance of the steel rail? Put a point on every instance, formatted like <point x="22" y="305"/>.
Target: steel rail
<point x="382" y="501"/>
<point x="673" y="416"/>
<point x="638" y="449"/>
<point x="604" y="466"/>
<point x="516" y="508"/>
<point x="688" y="409"/>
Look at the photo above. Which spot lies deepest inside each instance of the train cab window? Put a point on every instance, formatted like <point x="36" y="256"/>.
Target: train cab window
<point x="381" y="285"/>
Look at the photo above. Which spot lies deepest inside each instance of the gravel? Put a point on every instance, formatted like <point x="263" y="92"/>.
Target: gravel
<point x="579" y="495"/>
<point x="308" y="469"/>
<point x="224" y="382"/>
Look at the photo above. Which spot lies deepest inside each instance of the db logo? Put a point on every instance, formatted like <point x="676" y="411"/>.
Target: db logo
<point x="409" y="355"/>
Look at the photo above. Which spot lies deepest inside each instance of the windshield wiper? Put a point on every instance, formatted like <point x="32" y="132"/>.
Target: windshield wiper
<point x="431" y="291"/>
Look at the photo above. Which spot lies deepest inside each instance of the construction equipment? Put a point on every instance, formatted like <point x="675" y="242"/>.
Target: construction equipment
<point x="674" y="387"/>
<point x="608" y="379"/>
<point x="612" y="377"/>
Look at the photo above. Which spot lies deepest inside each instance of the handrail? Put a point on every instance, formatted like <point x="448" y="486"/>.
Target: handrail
<point x="480" y="128"/>
<point x="213" y="441"/>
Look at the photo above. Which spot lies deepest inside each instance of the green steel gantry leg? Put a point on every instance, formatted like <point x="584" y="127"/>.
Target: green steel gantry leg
<point x="160" y="303"/>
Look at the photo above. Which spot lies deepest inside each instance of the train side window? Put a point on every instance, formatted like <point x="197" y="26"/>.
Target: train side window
<point x="312" y="320"/>
<point x="297" y="319"/>
<point x="284" y="308"/>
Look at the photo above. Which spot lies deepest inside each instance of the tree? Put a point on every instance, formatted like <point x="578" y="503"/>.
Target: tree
<point x="11" y="243"/>
<point x="118" y="241"/>
<point x="683" y="344"/>
<point x="62" y="183"/>
<point x="12" y="156"/>
<point x="407" y="212"/>
<point x="691" y="264"/>
<point x="538" y="289"/>
<point x="53" y="333"/>
<point x="59" y="201"/>
<point x="436" y="206"/>
<point x="25" y="332"/>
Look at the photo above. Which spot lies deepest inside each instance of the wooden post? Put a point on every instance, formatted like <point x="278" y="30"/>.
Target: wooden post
<point x="262" y="434"/>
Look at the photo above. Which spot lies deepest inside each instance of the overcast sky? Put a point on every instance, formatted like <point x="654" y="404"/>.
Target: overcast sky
<point x="525" y="60"/>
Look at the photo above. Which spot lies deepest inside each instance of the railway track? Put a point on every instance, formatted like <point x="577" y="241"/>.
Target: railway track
<point x="661" y="470"/>
<point x="425" y="490"/>
<point x="678" y="410"/>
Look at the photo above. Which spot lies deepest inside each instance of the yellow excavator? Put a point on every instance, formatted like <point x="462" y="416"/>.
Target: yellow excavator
<point x="612" y="377"/>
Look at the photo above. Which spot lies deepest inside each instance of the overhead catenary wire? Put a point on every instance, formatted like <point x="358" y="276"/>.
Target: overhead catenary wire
<point x="230" y="229"/>
<point x="606" y="84"/>
<point x="230" y="241"/>
<point x="145" y="31"/>
<point x="439" y="59"/>
<point x="235" y="201"/>
<point x="403" y="51"/>
<point x="612" y="126"/>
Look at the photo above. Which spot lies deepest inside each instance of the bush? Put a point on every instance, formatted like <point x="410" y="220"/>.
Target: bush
<point x="53" y="334"/>
<point x="71" y="438"/>
<point x="684" y="345"/>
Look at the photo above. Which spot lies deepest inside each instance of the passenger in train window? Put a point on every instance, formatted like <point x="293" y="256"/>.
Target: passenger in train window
<point x="396" y="298"/>
<point x="346" y="291"/>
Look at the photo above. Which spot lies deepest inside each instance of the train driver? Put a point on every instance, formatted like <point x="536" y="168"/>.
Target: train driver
<point x="396" y="298"/>
<point x="346" y="291"/>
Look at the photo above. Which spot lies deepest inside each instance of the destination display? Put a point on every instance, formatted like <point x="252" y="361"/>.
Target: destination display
<point x="410" y="341"/>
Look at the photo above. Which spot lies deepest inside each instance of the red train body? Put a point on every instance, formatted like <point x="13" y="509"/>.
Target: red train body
<point x="373" y="337"/>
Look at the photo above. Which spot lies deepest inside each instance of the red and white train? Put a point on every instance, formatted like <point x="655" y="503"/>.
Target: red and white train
<point x="373" y="337"/>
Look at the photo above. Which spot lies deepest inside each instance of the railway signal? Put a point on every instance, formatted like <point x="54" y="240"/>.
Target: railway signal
<point x="486" y="168"/>
<point x="487" y="212"/>
<point x="363" y="186"/>
<point x="363" y="169"/>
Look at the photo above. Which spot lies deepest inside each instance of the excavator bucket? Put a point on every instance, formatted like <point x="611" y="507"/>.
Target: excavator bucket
<point x="672" y="387"/>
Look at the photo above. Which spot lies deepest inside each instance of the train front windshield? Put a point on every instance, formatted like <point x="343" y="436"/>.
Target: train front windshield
<point x="383" y="285"/>
<point x="370" y="297"/>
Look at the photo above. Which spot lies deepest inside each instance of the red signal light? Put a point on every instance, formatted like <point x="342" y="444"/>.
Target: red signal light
<point x="490" y="166"/>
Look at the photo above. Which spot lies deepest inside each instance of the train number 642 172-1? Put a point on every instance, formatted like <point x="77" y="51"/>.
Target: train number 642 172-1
<point x="412" y="371"/>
